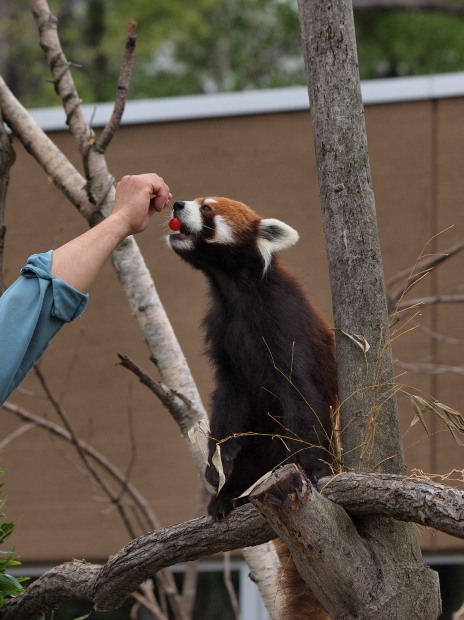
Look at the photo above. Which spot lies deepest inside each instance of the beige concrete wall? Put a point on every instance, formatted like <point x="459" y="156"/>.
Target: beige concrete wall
<point x="268" y="162"/>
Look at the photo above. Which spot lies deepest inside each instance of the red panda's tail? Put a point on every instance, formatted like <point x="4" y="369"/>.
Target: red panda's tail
<point x="298" y="602"/>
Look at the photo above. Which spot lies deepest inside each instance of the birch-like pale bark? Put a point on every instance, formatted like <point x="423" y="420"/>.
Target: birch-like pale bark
<point x="97" y="190"/>
<point x="127" y="260"/>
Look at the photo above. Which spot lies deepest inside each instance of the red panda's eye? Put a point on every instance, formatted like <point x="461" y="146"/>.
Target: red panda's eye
<point x="205" y="208"/>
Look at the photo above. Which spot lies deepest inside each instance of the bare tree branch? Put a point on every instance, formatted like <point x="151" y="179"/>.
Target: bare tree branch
<point x="113" y="496"/>
<point x="125" y="74"/>
<point x="437" y="335"/>
<point x="230" y="586"/>
<point x="399" y="284"/>
<point x="56" y="165"/>
<point x="87" y="455"/>
<point x="429" y="301"/>
<point x="180" y="408"/>
<point x="430" y="369"/>
<point x="15" y="434"/>
<point x="151" y="521"/>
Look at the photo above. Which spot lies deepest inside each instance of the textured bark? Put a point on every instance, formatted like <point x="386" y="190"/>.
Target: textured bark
<point x="328" y="547"/>
<point x="108" y="586"/>
<point x="353" y="575"/>
<point x="369" y="416"/>
<point x="55" y="164"/>
<point x="408" y="499"/>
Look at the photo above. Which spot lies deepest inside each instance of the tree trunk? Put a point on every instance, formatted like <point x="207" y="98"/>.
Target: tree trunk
<point x="369" y="416"/>
<point x="366" y="386"/>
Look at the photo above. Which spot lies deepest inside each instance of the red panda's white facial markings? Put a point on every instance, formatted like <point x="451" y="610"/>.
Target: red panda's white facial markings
<point x="222" y="221"/>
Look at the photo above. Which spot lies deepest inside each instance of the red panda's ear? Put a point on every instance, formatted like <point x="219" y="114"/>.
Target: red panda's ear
<point x="274" y="236"/>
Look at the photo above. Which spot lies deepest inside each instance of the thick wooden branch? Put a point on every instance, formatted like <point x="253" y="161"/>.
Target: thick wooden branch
<point x="108" y="586"/>
<point x="368" y="411"/>
<point x="321" y="537"/>
<point x="350" y="571"/>
<point x="56" y="165"/>
<point x="406" y="498"/>
<point x="328" y="547"/>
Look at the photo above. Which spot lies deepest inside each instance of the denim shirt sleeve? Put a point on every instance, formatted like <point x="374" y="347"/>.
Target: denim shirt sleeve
<point x="32" y="311"/>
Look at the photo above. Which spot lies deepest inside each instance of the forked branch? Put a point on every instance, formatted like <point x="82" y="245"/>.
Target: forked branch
<point x="412" y="499"/>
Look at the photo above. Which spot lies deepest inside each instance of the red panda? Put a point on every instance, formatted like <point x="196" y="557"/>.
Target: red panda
<point x="272" y="352"/>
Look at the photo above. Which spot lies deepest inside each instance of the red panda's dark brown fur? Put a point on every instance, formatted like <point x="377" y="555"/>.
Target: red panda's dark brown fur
<point x="272" y="355"/>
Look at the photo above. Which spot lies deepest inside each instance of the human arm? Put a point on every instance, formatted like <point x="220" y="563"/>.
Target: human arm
<point x="32" y="310"/>
<point x="79" y="261"/>
<point x="50" y="291"/>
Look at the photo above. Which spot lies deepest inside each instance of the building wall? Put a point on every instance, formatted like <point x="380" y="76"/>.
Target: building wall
<point x="267" y="161"/>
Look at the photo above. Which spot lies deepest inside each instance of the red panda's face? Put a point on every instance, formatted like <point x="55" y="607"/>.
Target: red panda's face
<point x="222" y="221"/>
<point x="213" y="220"/>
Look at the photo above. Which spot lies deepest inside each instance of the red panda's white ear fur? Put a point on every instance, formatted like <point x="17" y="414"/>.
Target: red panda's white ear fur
<point x="274" y="236"/>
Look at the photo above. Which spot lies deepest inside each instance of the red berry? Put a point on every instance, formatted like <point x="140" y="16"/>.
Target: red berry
<point x="175" y="223"/>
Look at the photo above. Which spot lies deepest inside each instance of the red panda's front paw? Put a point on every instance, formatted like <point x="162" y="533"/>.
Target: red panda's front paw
<point x="219" y="507"/>
<point x="212" y="476"/>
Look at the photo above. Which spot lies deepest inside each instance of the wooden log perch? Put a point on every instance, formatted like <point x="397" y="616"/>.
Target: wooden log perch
<point x="352" y="574"/>
<point x="108" y="586"/>
<point x="405" y="498"/>
<point x="329" y="547"/>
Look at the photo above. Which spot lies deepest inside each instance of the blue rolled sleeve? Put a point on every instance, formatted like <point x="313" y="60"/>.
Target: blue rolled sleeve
<point x="32" y="311"/>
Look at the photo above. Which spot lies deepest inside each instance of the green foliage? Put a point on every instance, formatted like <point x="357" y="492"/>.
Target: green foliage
<point x="396" y="43"/>
<point x="9" y="586"/>
<point x="186" y="47"/>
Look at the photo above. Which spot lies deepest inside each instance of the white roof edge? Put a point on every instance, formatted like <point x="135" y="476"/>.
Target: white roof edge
<point x="248" y="102"/>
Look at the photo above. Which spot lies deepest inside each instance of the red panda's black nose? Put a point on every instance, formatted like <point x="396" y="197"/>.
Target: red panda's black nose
<point x="178" y="206"/>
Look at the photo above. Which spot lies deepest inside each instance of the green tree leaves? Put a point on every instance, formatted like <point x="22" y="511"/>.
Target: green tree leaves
<point x="395" y="43"/>
<point x="9" y="586"/>
<point x="209" y="45"/>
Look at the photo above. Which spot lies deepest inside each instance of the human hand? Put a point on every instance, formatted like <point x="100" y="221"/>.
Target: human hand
<point x="137" y="198"/>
